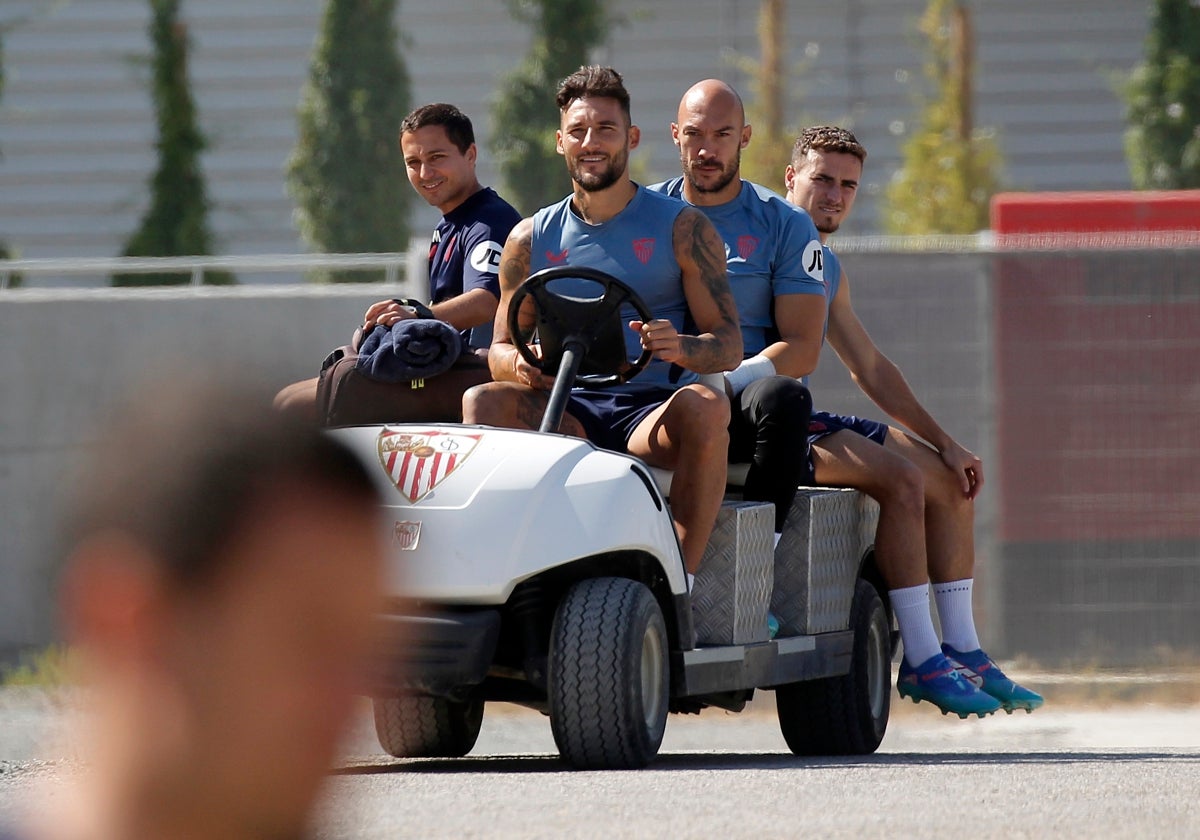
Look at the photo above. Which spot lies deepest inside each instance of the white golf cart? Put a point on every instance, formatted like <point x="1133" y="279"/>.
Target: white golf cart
<point x="534" y="568"/>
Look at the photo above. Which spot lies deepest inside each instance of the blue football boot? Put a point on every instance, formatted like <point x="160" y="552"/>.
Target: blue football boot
<point x="978" y="668"/>
<point x="937" y="681"/>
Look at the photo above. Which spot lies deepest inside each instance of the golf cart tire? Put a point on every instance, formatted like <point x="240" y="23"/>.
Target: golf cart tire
<point x="609" y="679"/>
<point x="845" y="715"/>
<point x="427" y="727"/>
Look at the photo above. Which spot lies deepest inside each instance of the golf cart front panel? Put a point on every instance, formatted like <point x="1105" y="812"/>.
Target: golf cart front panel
<point x="473" y="510"/>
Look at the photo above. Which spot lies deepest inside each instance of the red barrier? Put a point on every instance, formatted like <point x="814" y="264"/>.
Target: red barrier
<point x="1093" y="212"/>
<point x="1098" y="365"/>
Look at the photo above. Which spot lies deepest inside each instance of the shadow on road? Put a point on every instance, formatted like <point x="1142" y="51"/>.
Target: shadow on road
<point x="759" y="761"/>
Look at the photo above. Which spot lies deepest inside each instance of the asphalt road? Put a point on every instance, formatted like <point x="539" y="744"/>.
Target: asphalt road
<point x="1125" y="771"/>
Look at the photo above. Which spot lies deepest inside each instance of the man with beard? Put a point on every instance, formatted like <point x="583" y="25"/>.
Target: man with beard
<point x="672" y="256"/>
<point x="925" y="483"/>
<point x="774" y="259"/>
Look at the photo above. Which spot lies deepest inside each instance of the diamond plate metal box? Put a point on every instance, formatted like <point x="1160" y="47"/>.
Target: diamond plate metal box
<point x="733" y="587"/>
<point x="825" y="536"/>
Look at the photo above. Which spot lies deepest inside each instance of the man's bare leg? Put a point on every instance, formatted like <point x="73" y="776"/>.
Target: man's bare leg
<point x="299" y="399"/>
<point x="512" y="406"/>
<point x="949" y="515"/>
<point x="689" y="434"/>
<point x="950" y="542"/>
<point x="847" y="459"/>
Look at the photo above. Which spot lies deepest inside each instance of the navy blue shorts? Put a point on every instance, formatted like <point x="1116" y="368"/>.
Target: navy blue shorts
<point x="822" y="424"/>
<point x="609" y="417"/>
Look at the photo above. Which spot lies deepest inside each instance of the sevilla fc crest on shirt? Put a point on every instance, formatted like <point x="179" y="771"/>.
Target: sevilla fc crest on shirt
<point x="746" y="246"/>
<point x="417" y="462"/>
<point x="643" y="249"/>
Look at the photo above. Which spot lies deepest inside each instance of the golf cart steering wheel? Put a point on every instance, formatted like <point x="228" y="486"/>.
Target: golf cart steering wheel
<point x="590" y="326"/>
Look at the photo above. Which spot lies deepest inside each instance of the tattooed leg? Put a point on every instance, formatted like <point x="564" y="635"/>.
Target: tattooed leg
<point x="512" y="406"/>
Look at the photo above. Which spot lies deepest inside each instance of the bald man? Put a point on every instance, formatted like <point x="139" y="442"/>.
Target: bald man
<point x="774" y="255"/>
<point x="777" y="259"/>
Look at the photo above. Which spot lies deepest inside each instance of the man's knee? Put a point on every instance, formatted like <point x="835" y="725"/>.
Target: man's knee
<point x="904" y="484"/>
<point x="505" y="404"/>
<point x="779" y="399"/>
<point x="943" y="490"/>
<point x="700" y="417"/>
<point x="299" y="400"/>
<point x="484" y="403"/>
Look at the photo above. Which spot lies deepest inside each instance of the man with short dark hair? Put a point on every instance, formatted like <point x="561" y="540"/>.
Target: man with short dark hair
<point x="223" y="580"/>
<point x="671" y="255"/>
<point x="438" y="144"/>
<point x="925" y="482"/>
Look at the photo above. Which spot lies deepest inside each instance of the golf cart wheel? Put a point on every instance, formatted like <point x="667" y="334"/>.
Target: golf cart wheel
<point x="845" y="715"/>
<point x="427" y="727"/>
<point x="608" y="675"/>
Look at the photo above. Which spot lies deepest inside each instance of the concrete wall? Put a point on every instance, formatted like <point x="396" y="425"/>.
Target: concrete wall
<point x="1076" y="378"/>
<point x="65" y="356"/>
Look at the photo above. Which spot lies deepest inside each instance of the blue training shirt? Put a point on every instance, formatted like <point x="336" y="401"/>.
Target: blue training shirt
<point x="635" y="246"/>
<point x="465" y="253"/>
<point x="771" y="248"/>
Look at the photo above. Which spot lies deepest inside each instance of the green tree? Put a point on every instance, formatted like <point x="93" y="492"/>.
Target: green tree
<point x="346" y="173"/>
<point x="176" y="223"/>
<point x="770" y="149"/>
<point x="524" y="116"/>
<point x="950" y="167"/>
<point x="774" y="91"/>
<point x="1162" y="142"/>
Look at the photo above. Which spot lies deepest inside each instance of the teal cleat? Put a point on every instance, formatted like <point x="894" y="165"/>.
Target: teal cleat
<point x="977" y="667"/>
<point x="937" y="681"/>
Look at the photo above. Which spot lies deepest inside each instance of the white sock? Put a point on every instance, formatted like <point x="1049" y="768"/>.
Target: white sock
<point x="954" y="612"/>
<point x="691" y="578"/>
<point x="911" y="605"/>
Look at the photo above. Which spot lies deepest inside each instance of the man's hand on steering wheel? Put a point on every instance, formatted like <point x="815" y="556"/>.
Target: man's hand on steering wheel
<point x="659" y="337"/>
<point x="579" y="323"/>
<point x="526" y="374"/>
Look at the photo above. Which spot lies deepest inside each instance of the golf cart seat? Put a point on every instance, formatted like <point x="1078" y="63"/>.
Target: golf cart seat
<point x="736" y="477"/>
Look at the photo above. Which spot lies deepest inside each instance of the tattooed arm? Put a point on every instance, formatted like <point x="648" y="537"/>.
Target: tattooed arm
<point x="701" y="255"/>
<point x="504" y="361"/>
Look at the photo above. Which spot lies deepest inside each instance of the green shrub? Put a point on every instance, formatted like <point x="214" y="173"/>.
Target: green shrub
<point x="52" y="667"/>
<point x="525" y="117"/>
<point x="176" y="223"/>
<point x="950" y="167"/>
<point x="346" y="173"/>
<point x="1162" y="142"/>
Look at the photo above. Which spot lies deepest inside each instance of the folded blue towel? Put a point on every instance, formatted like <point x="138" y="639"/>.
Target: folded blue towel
<point x="416" y="348"/>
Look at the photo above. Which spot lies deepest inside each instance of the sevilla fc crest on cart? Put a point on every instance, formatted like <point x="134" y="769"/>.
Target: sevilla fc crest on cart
<point x="417" y="462"/>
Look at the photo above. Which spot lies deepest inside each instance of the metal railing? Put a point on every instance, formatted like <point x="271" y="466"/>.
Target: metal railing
<point x="397" y="267"/>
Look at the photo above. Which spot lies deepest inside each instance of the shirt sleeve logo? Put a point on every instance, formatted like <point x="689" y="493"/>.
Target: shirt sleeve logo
<point x="485" y="257"/>
<point x="814" y="260"/>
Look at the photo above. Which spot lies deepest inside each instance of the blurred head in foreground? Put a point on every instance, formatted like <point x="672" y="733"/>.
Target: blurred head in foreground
<point x="223" y="579"/>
